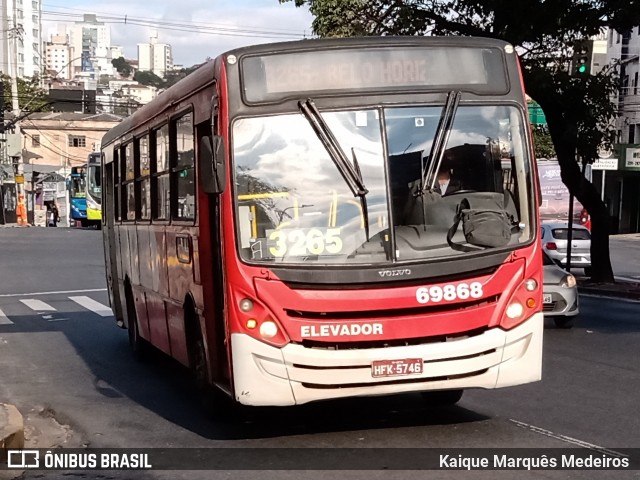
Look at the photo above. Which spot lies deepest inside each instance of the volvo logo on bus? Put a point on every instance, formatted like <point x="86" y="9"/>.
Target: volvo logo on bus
<point x="394" y="273"/>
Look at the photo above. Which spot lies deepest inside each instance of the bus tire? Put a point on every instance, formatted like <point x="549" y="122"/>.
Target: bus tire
<point x="198" y="360"/>
<point x="214" y="403"/>
<point x="136" y="342"/>
<point x="442" y="397"/>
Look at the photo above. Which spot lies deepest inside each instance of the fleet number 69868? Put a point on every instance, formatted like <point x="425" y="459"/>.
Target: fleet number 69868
<point x="449" y="293"/>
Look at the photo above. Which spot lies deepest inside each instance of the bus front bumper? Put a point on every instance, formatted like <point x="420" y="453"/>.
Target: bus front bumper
<point x="293" y="375"/>
<point x="94" y="214"/>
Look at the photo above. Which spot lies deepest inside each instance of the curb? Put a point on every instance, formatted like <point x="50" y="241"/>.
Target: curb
<point x="11" y="429"/>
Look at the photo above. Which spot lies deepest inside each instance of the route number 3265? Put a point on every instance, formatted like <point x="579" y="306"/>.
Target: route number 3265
<point x="305" y="242"/>
<point x="449" y="293"/>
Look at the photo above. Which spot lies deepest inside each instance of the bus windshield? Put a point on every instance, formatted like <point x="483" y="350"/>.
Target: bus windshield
<point x="295" y="206"/>
<point x="78" y="186"/>
<point x="95" y="179"/>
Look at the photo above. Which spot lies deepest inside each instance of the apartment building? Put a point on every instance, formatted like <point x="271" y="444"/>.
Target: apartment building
<point x="155" y="57"/>
<point x="21" y="27"/>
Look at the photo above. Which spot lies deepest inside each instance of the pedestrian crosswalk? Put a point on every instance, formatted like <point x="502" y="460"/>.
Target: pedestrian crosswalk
<point x="4" y="320"/>
<point x="52" y="309"/>
<point x="91" y="304"/>
<point x="37" y="305"/>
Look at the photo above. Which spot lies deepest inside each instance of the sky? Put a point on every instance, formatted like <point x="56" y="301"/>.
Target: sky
<point x="195" y="29"/>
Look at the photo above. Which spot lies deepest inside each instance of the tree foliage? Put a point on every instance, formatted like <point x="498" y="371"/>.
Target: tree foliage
<point x="579" y="111"/>
<point x="542" y="142"/>
<point x="31" y="97"/>
<point x="122" y="67"/>
<point x="149" y="79"/>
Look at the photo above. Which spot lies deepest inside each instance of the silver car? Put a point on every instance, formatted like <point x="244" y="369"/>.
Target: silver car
<point x="559" y="294"/>
<point x="555" y="244"/>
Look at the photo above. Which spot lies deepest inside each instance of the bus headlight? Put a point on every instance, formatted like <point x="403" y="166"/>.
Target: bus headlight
<point x="246" y="305"/>
<point x="255" y="319"/>
<point x="268" y="329"/>
<point x="514" y="310"/>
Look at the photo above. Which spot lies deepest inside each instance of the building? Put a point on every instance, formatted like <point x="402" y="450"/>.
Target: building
<point x="21" y="32"/>
<point x="625" y="48"/>
<point x="58" y="58"/>
<point x="51" y="144"/>
<point x="155" y="57"/>
<point x="90" y="41"/>
<point x="617" y="172"/>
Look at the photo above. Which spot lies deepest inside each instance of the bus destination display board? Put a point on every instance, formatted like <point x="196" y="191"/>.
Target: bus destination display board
<point x="268" y="78"/>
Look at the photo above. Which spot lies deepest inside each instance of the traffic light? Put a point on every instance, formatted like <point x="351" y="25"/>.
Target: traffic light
<point x="582" y="58"/>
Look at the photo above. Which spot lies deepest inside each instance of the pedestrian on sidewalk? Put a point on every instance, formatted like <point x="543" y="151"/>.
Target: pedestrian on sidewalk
<point x="53" y="215"/>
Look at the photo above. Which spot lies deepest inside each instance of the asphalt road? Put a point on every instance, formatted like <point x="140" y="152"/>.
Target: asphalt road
<point x="69" y="371"/>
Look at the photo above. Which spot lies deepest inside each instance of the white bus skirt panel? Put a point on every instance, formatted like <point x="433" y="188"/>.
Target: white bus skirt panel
<point x="265" y="375"/>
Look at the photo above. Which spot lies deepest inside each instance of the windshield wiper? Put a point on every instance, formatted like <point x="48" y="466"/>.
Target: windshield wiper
<point x="440" y="141"/>
<point x="350" y="172"/>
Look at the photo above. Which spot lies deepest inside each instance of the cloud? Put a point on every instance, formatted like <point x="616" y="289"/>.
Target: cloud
<point x="195" y="29"/>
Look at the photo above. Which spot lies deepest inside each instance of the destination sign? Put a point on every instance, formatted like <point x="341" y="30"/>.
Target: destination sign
<point x="273" y="77"/>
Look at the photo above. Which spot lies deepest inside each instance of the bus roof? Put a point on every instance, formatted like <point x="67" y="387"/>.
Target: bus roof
<point x="328" y="43"/>
<point x="205" y="74"/>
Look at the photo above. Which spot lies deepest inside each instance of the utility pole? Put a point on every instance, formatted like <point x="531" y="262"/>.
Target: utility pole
<point x="15" y="33"/>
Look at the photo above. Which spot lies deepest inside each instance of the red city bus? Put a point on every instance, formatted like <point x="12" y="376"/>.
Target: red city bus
<point x="332" y="218"/>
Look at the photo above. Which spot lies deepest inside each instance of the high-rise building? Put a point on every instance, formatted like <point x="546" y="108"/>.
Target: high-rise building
<point x="58" y="57"/>
<point x="21" y="27"/>
<point x="90" y="41"/>
<point x="155" y="57"/>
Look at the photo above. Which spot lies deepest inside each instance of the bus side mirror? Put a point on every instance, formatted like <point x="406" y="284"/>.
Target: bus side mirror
<point x="211" y="163"/>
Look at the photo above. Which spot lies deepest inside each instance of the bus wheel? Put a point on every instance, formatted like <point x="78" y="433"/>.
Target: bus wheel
<point x="198" y="363"/>
<point x="136" y="342"/>
<point x="442" y="397"/>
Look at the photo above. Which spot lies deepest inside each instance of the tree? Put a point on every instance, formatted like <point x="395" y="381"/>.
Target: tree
<point x="542" y="142"/>
<point x="579" y="111"/>
<point x="122" y="67"/>
<point x="31" y="98"/>
<point x="149" y="79"/>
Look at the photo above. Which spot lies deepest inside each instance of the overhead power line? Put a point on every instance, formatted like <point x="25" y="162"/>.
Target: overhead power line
<point x="82" y="12"/>
<point x="198" y="27"/>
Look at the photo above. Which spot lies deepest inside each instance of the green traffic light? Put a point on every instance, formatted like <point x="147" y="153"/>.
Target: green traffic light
<point x="582" y="69"/>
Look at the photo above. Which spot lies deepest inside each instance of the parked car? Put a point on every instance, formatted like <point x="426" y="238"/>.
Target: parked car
<point x="554" y="243"/>
<point x="559" y="294"/>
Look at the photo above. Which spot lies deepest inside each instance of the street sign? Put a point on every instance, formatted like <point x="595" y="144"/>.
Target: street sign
<point x="605" y="164"/>
<point x="20" y="179"/>
<point x="632" y="158"/>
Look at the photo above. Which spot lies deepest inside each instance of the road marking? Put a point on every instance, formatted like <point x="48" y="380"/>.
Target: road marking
<point x="91" y="304"/>
<point x="4" y="320"/>
<point x="38" y="305"/>
<point x="564" y="438"/>
<point x="52" y="293"/>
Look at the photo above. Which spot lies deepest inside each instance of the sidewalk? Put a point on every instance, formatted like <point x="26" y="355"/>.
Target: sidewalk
<point x="621" y="289"/>
<point x="11" y="428"/>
